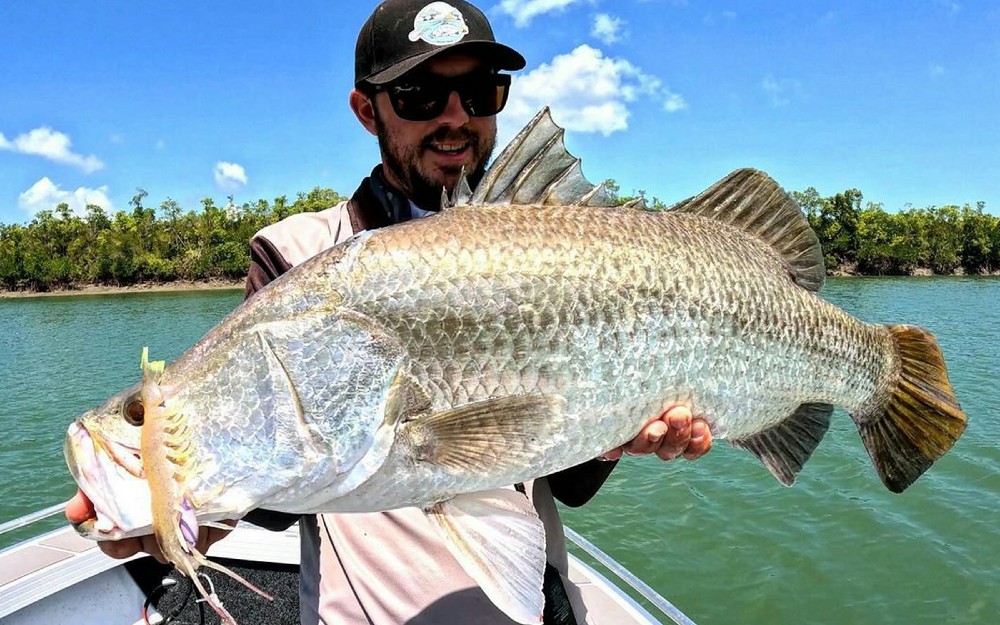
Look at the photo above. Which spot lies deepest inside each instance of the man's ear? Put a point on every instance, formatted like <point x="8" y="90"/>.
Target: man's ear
<point x="364" y="110"/>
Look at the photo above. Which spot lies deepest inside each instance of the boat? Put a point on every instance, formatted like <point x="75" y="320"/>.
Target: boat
<point x="60" y="577"/>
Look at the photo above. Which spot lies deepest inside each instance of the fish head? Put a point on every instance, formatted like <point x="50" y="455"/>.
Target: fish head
<point x="102" y="451"/>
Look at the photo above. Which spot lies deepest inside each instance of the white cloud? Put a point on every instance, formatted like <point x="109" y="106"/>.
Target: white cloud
<point x="711" y="19"/>
<point x="52" y="145"/>
<point x="587" y="92"/>
<point x="229" y="176"/>
<point x="950" y="6"/>
<point x="46" y="195"/>
<point x="773" y="88"/>
<point x="780" y="92"/>
<point x="674" y="102"/>
<point x="607" y="28"/>
<point x="523" y="11"/>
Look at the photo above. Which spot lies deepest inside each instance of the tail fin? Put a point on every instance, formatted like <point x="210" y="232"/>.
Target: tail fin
<point x="921" y="418"/>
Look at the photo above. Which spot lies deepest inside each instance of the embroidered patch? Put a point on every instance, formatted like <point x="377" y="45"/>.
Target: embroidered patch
<point x="439" y="24"/>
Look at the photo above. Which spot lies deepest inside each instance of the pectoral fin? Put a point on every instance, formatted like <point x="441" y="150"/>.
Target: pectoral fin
<point x="499" y="540"/>
<point x="489" y="436"/>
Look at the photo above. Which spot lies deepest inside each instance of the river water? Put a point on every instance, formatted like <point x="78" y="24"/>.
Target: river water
<point x="719" y="537"/>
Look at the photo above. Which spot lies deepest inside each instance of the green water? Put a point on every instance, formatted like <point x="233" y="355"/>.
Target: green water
<point x="719" y="537"/>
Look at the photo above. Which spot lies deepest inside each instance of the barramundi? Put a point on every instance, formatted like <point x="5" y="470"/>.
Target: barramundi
<point x="526" y="328"/>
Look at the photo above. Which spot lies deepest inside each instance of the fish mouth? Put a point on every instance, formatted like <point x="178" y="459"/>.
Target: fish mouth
<point x="110" y="477"/>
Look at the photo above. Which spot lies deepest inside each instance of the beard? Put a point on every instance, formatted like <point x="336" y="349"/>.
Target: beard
<point x="424" y="188"/>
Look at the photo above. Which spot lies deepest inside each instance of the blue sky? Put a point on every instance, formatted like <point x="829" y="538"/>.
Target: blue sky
<point x="209" y="99"/>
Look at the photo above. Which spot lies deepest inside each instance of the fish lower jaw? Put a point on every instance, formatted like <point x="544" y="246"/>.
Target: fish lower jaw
<point x="99" y="529"/>
<point x="120" y="516"/>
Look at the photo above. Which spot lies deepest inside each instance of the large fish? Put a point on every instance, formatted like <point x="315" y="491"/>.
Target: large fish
<point x="523" y="330"/>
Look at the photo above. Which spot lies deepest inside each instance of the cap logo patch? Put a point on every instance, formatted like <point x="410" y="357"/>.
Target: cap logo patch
<point x="439" y="24"/>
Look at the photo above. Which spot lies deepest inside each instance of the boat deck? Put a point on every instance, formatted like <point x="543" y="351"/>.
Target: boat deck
<point x="55" y="577"/>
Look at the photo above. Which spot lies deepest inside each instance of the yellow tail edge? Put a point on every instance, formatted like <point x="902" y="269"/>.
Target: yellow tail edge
<point x="920" y="419"/>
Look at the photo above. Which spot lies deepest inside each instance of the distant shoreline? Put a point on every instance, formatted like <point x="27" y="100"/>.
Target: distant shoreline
<point x="145" y="287"/>
<point x="221" y="284"/>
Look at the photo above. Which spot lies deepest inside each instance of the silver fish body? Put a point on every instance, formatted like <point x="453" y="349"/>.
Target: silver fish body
<point x="501" y="341"/>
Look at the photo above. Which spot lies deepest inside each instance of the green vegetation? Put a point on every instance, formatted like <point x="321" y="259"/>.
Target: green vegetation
<point x="59" y="249"/>
<point x="870" y="241"/>
<point x="862" y="239"/>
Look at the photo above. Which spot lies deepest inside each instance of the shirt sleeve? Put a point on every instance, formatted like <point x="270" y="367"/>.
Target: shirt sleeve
<point x="266" y="264"/>
<point x="577" y="485"/>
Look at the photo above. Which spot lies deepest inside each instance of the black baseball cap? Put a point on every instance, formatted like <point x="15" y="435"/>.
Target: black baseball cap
<point x="401" y="34"/>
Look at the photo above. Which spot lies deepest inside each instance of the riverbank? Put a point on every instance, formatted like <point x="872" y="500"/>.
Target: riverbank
<point x="218" y="284"/>
<point x="145" y="287"/>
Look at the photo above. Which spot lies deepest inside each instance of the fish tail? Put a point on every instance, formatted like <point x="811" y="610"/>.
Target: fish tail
<point x="919" y="418"/>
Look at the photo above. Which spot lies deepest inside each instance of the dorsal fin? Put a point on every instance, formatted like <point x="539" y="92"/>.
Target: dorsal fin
<point x="752" y="201"/>
<point x="461" y="195"/>
<point x="535" y="168"/>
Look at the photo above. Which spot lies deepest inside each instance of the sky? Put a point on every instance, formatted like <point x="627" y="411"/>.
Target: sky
<point x="187" y="100"/>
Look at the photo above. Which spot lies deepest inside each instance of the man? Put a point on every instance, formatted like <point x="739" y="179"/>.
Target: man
<point x="428" y="86"/>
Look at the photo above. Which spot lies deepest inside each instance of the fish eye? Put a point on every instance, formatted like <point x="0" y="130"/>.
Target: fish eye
<point x="133" y="411"/>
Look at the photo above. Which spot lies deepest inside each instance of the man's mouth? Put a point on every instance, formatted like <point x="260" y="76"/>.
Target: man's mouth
<point x="449" y="148"/>
<point x="451" y="142"/>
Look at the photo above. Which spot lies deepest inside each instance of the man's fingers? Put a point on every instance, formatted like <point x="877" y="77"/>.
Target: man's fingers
<point x="614" y="454"/>
<point x="128" y="547"/>
<point x="648" y="439"/>
<point x="120" y="549"/>
<point x="79" y="508"/>
<point x="674" y="433"/>
<point x="150" y="546"/>
<point x="678" y="435"/>
<point x="208" y="536"/>
<point x="701" y="440"/>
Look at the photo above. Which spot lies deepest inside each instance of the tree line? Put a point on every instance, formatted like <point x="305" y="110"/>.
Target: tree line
<point x="865" y="239"/>
<point x="59" y="248"/>
<point x="868" y="240"/>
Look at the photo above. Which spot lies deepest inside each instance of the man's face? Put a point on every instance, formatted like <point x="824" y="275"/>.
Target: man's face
<point x="421" y="157"/>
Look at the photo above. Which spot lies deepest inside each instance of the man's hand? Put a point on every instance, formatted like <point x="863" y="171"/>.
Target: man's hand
<point x="674" y="433"/>
<point x="79" y="509"/>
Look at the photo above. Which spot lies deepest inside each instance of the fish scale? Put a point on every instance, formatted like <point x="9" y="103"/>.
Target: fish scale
<point x="451" y="360"/>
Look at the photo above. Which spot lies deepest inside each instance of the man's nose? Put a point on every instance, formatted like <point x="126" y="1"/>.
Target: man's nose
<point x="454" y="113"/>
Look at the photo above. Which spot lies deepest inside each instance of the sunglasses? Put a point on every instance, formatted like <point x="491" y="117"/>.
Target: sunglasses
<point x="422" y="99"/>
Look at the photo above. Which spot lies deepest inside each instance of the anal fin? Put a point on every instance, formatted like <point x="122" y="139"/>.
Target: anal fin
<point x="499" y="540"/>
<point x="785" y="447"/>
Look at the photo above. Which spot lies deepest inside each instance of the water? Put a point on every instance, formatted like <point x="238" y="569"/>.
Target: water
<point x="62" y="355"/>
<point x="719" y="537"/>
